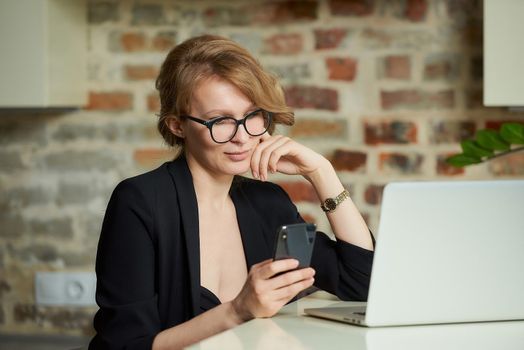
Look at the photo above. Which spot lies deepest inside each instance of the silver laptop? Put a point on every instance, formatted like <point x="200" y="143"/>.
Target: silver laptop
<point x="447" y="252"/>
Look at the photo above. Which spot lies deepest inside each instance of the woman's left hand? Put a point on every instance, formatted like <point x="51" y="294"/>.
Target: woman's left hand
<point x="282" y="154"/>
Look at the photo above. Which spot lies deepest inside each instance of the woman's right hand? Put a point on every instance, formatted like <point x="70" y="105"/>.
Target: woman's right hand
<point x="263" y="295"/>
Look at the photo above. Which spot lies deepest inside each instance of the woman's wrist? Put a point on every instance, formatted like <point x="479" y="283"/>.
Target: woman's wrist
<point x="236" y="315"/>
<point x="325" y="181"/>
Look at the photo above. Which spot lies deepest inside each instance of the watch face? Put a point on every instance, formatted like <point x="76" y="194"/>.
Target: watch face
<point x="330" y="204"/>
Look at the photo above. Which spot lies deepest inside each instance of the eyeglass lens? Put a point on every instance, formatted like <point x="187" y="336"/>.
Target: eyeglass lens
<point x="255" y="124"/>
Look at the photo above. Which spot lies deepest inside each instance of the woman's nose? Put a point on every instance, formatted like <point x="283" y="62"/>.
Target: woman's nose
<point x="241" y="135"/>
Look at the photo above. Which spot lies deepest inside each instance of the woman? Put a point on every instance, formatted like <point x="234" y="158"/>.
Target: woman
<point x="185" y="250"/>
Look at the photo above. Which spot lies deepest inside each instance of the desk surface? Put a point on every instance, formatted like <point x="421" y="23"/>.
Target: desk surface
<point x="291" y="329"/>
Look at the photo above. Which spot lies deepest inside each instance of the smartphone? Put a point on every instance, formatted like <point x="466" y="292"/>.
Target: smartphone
<point x="295" y="241"/>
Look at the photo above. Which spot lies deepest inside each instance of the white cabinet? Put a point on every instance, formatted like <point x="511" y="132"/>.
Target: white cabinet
<point x="43" y="46"/>
<point x="504" y="53"/>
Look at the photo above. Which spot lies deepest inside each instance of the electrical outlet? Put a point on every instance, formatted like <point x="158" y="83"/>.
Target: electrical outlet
<point x="65" y="288"/>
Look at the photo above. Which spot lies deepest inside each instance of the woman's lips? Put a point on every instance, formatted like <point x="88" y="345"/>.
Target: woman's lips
<point x="237" y="156"/>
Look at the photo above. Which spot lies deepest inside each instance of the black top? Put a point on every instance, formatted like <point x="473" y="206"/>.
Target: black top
<point x="148" y="259"/>
<point x="208" y="299"/>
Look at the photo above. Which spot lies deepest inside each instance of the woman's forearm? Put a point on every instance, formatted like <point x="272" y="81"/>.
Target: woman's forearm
<point x="209" y="323"/>
<point x="346" y="221"/>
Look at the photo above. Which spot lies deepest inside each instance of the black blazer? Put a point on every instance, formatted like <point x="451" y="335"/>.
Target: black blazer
<point x="148" y="262"/>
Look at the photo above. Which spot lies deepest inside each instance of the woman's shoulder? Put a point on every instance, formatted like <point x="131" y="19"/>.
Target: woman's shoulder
<point x="146" y="182"/>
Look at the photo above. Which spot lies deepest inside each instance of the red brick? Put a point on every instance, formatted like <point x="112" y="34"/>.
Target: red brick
<point x="416" y="10"/>
<point x="379" y="38"/>
<point x="390" y="132"/>
<point x="284" y="44"/>
<point x="373" y="194"/>
<point x="140" y="72"/>
<point x="225" y="16"/>
<point x="437" y="70"/>
<point x="349" y="160"/>
<point x="398" y="163"/>
<point x="440" y="99"/>
<point x="441" y="66"/>
<point x="163" y="41"/>
<point x="444" y="168"/>
<point x="341" y="68"/>
<point x="132" y="42"/>
<point x="312" y="97"/>
<point x="395" y="67"/>
<point x="300" y="191"/>
<point x="103" y="11"/>
<point x="511" y="165"/>
<point x="393" y="99"/>
<point x="417" y="99"/>
<point x="148" y="14"/>
<point x="318" y="128"/>
<point x="351" y="7"/>
<point x="110" y="101"/>
<point x="496" y="124"/>
<point x="330" y="38"/>
<point x="153" y="102"/>
<point x="149" y="158"/>
<point x="283" y="12"/>
<point x="451" y="131"/>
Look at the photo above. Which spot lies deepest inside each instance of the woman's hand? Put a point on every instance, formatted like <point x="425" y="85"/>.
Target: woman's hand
<point x="264" y="295"/>
<point x="282" y="154"/>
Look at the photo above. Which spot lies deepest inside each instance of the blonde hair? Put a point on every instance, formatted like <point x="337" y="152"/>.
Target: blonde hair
<point x="199" y="58"/>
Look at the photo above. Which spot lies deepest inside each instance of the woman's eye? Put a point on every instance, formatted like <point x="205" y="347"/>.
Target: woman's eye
<point x="224" y="121"/>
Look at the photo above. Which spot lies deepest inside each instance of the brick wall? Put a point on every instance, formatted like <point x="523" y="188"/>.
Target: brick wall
<point x="385" y="89"/>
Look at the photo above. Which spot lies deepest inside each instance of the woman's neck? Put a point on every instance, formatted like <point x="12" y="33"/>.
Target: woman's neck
<point x="211" y="190"/>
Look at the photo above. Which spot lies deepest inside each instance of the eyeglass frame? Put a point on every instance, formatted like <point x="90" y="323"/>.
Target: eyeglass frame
<point x="209" y="123"/>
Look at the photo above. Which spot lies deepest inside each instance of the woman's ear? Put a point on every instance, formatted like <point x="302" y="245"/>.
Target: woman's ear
<point x="176" y="126"/>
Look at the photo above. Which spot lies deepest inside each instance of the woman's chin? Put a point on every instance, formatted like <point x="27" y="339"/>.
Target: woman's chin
<point x="238" y="168"/>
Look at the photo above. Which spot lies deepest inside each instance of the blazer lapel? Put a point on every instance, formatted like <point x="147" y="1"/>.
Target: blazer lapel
<point x="187" y="204"/>
<point x="256" y="246"/>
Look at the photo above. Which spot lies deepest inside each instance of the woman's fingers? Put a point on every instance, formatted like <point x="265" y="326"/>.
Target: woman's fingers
<point x="291" y="277"/>
<point x="255" y="157"/>
<point x="282" y="154"/>
<point x="265" y="141"/>
<point x="286" y="293"/>
<point x="266" y="153"/>
<point x="267" y="271"/>
<point x="263" y="296"/>
<point x="262" y="263"/>
<point x="286" y="165"/>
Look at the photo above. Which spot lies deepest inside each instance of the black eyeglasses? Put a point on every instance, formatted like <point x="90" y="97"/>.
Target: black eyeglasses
<point x="223" y="129"/>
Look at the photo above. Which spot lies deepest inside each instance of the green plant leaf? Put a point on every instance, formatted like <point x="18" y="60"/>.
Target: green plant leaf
<point x="490" y="139"/>
<point x="513" y="133"/>
<point x="461" y="160"/>
<point x="471" y="148"/>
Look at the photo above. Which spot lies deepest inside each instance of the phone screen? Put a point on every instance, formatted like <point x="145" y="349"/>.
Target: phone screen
<point x="295" y="241"/>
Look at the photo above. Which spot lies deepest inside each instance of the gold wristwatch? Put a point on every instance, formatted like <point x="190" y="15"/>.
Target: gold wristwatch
<point x="331" y="204"/>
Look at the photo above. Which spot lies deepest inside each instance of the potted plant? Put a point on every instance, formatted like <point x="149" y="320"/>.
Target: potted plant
<point x="489" y="144"/>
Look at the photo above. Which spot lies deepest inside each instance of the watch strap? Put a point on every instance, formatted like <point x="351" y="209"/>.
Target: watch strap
<point x="331" y="204"/>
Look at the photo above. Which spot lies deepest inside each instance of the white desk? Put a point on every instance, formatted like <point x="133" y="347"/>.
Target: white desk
<point x="290" y="329"/>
